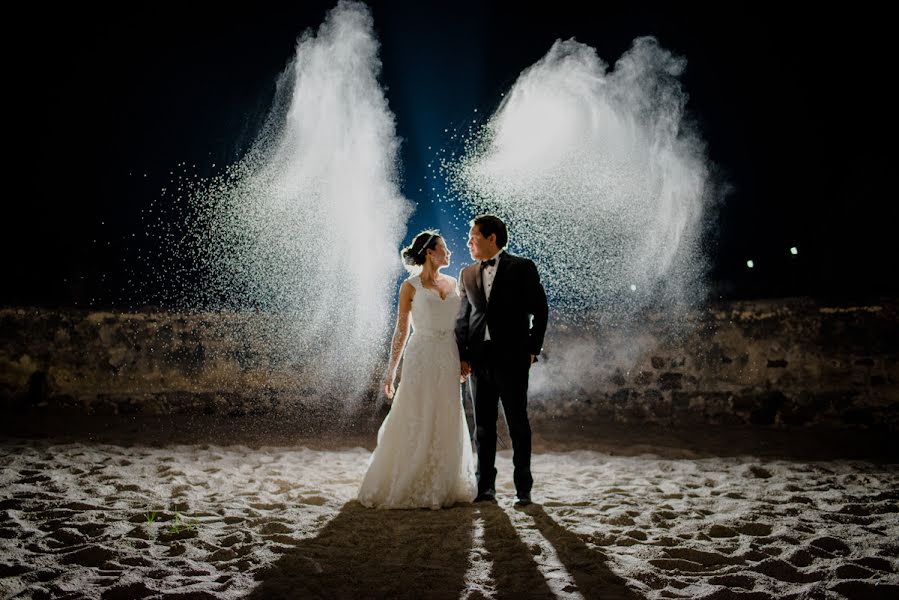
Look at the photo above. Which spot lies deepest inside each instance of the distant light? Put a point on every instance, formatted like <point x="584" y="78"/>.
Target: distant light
<point x="633" y="288"/>
<point x="750" y="264"/>
<point x="794" y="250"/>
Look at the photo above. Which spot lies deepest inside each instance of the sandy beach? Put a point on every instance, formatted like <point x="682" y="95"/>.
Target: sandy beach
<point x="100" y="520"/>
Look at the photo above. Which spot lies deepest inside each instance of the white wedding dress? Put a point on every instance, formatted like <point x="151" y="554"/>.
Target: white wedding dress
<point x="424" y="458"/>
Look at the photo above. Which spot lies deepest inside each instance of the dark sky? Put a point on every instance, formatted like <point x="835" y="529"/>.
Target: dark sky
<point x="793" y="106"/>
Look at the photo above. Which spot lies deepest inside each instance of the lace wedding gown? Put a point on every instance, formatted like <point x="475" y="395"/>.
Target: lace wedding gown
<point x="423" y="458"/>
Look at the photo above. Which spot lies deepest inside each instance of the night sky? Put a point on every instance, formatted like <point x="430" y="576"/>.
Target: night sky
<point x="105" y="106"/>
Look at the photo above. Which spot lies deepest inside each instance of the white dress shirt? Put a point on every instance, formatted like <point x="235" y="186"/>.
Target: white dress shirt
<point x="488" y="274"/>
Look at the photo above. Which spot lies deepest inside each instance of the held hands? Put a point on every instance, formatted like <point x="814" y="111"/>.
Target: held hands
<point x="465" y="371"/>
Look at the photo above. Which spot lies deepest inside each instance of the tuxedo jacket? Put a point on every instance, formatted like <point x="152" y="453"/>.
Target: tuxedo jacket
<point x="516" y="312"/>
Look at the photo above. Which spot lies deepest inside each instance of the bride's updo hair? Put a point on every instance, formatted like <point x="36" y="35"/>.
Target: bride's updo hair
<point x="415" y="254"/>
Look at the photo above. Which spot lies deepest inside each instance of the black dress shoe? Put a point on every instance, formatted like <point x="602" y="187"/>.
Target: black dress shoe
<point x="486" y="496"/>
<point x="523" y="500"/>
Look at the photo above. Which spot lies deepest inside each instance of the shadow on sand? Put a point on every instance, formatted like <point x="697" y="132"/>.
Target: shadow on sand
<point x="364" y="553"/>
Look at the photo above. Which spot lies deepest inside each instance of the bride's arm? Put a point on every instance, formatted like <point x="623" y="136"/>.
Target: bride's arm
<point x="400" y="335"/>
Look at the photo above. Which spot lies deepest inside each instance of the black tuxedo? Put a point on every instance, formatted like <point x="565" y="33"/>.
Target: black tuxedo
<point x="516" y="315"/>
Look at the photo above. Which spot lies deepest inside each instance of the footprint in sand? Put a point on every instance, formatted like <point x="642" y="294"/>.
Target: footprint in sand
<point x="878" y="564"/>
<point x="831" y="545"/>
<point x="159" y="574"/>
<point x="784" y="571"/>
<point x="677" y="565"/>
<point x="800" y="558"/>
<point x="12" y="570"/>
<point x="223" y="555"/>
<point x="312" y="500"/>
<point x="128" y="487"/>
<point x="180" y="490"/>
<point x="662" y="517"/>
<point x="733" y="581"/>
<point x="233" y="539"/>
<point x="67" y="537"/>
<point x="33" y="480"/>
<point x="90" y="529"/>
<point x="757" y="472"/>
<point x="853" y="572"/>
<point x="754" y="529"/>
<point x="621" y="519"/>
<point x="707" y="559"/>
<point x="274" y="527"/>
<point x="92" y="556"/>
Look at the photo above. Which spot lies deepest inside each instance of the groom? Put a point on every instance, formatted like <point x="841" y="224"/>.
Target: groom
<point x="499" y="331"/>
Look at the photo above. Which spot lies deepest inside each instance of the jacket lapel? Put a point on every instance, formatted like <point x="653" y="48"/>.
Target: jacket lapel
<point x="478" y="285"/>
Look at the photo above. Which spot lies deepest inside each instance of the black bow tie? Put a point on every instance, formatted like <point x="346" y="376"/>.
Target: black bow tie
<point x="487" y="263"/>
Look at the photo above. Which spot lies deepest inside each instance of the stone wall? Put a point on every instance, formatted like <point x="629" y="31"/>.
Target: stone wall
<point x="784" y="363"/>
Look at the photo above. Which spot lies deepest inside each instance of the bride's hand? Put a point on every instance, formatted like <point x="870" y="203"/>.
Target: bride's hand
<point x="388" y="388"/>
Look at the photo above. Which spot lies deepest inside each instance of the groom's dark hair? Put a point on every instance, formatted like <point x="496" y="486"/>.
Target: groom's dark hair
<point x="490" y="224"/>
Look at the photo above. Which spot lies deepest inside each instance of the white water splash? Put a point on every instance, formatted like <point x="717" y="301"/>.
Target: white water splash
<point x="305" y="229"/>
<point x="603" y="184"/>
<point x="599" y="178"/>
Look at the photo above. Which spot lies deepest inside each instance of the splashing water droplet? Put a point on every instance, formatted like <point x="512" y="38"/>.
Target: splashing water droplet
<point x="302" y="234"/>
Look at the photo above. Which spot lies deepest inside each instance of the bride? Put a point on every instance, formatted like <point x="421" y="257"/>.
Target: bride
<point x="423" y="458"/>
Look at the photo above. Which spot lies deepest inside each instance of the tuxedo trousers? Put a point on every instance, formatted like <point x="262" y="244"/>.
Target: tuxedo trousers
<point x="501" y="375"/>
